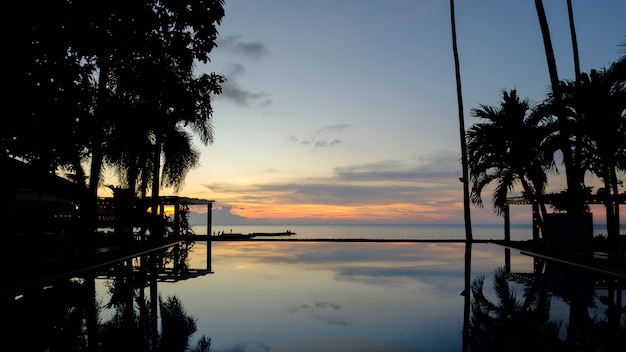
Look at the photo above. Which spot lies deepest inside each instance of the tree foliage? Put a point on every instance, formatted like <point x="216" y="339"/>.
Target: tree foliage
<point x="519" y="144"/>
<point x="112" y="83"/>
<point x="109" y="80"/>
<point x="507" y="148"/>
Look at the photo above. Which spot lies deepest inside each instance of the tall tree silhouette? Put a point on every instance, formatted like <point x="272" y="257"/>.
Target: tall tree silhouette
<point x="56" y="92"/>
<point x="597" y="101"/>
<point x="507" y="148"/>
<point x="573" y="173"/>
<point x="111" y="65"/>
<point x="464" y="164"/>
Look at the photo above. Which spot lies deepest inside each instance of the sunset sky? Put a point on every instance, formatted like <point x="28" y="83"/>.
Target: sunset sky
<point x="346" y="110"/>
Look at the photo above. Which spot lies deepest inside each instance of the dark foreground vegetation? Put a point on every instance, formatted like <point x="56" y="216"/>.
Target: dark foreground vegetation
<point x="108" y="85"/>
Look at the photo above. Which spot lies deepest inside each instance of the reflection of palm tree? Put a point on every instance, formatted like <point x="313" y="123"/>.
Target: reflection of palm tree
<point x="176" y="325"/>
<point x="56" y="315"/>
<point x="203" y="344"/>
<point x="513" y="325"/>
<point x="467" y="282"/>
<point x="67" y="316"/>
<point x="134" y="322"/>
<point x="510" y="325"/>
<point x="507" y="149"/>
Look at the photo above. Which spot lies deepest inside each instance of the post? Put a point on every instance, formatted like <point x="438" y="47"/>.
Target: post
<point x="536" y="221"/>
<point x="176" y="218"/>
<point x="209" y="227"/>
<point x="507" y="223"/>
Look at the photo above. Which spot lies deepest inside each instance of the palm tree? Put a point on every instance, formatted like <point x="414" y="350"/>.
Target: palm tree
<point x="597" y="101"/>
<point x="573" y="175"/>
<point x="144" y="58"/>
<point x="464" y="162"/>
<point x="507" y="149"/>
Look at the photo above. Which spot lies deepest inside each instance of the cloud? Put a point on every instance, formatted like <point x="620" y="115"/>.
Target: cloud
<point x="344" y="194"/>
<point x="334" y="321"/>
<point x="392" y="181"/>
<point x="234" y="44"/>
<point x="407" y="189"/>
<point x="324" y="144"/>
<point x="445" y="166"/>
<point x="322" y="311"/>
<point x="244" y="347"/>
<point x="233" y="91"/>
<point x="319" y="139"/>
<point x="235" y="69"/>
<point x="333" y="128"/>
<point x="220" y="215"/>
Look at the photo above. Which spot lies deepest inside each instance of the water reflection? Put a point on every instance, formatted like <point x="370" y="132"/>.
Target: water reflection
<point x="67" y="314"/>
<point x="274" y="296"/>
<point x="510" y="322"/>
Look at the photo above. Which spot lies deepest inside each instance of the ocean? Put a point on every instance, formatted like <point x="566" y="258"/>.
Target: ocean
<point x="519" y="232"/>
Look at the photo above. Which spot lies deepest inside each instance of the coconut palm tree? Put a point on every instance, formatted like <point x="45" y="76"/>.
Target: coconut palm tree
<point x="573" y="175"/>
<point x="464" y="162"/>
<point x="507" y="149"/>
<point x="597" y="102"/>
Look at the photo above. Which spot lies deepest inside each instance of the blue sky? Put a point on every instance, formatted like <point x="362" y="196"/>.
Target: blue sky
<point x="346" y="110"/>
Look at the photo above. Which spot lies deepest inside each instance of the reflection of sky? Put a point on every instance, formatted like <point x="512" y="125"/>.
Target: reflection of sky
<point x="265" y="294"/>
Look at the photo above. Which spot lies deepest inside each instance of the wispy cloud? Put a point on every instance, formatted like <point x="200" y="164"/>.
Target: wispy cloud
<point x="234" y="92"/>
<point x="333" y="128"/>
<point x="386" y="182"/>
<point x="249" y="49"/>
<point x="322" y="138"/>
<point x="445" y="166"/>
<point x="323" y="311"/>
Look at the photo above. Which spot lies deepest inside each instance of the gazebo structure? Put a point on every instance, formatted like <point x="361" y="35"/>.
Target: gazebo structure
<point x="131" y="212"/>
<point x="547" y="199"/>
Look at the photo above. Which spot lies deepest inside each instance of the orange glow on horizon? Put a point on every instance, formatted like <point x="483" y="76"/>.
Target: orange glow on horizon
<point x="358" y="212"/>
<point x="403" y="212"/>
<point x="167" y="210"/>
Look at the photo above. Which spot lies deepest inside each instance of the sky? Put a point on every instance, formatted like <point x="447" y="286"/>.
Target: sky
<point x="346" y="110"/>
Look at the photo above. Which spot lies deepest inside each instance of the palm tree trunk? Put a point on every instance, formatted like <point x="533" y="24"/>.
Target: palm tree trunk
<point x="572" y="29"/>
<point x="156" y="173"/>
<point x="614" y="224"/>
<point x="547" y="43"/>
<point x="464" y="163"/>
<point x="572" y="175"/>
<point x="156" y="229"/>
<point x="90" y="204"/>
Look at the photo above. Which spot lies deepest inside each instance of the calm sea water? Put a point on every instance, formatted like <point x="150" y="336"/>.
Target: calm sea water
<point x="393" y="297"/>
<point x="266" y="296"/>
<point x="290" y="296"/>
<point x="519" y="232"/>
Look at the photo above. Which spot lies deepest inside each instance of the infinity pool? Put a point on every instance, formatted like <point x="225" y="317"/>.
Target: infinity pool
<point x="249" y="296"/>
